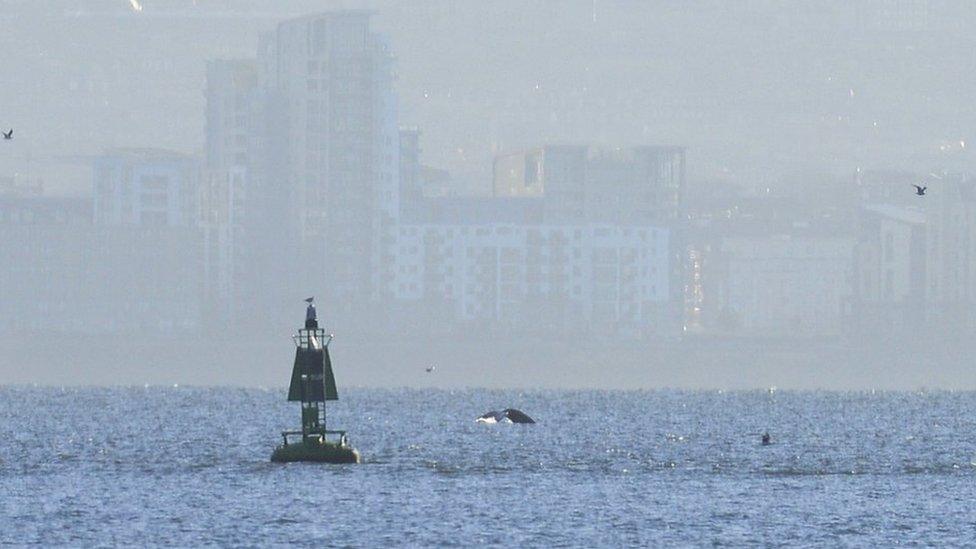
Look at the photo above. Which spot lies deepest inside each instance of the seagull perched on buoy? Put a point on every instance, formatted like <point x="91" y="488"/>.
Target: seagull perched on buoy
<point x="920" y="191"/>
<point x="8" y="134"/>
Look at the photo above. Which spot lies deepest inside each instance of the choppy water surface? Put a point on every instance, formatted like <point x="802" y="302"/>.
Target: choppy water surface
<point x="186" y="466"/>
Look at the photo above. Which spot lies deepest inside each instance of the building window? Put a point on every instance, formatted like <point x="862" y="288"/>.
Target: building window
<point x="533" y="170"/>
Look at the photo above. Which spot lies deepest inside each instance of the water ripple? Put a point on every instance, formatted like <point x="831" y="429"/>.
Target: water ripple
<point x="190" y="466"/>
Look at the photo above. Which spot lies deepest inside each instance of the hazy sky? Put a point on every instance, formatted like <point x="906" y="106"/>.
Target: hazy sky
<point x="753" y="88"/>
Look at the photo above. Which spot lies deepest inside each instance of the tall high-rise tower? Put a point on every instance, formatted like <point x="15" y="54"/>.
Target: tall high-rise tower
<point x="230" y="92"/>
<point x="332" y="126"/>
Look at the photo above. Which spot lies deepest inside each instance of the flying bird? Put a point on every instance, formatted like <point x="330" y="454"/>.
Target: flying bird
<point x="920" y="191"/>
<point x="430" y="369"/>
<point x="8" y="134"/>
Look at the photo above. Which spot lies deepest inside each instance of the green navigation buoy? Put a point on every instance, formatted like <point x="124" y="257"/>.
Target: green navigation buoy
<point x="313" y="383"/>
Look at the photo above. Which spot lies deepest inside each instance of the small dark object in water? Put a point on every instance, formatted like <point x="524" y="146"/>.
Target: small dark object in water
<point x="511" y="414"/>
<point x="766" y="439"/>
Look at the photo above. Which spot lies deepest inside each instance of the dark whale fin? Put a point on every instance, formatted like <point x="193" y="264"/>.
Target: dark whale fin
<point x="517" y="416"/>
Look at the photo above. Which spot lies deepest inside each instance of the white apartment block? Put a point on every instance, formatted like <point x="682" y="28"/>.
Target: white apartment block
<point x="530" y="273"/>
<point x="776" y="285"/>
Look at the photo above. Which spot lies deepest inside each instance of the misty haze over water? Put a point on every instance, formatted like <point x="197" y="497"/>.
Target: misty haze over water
<point x="595" y="193"/>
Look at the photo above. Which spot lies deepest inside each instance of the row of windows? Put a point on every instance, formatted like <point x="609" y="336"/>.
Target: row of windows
<point x="517" y="255"/>
<point x="602" y="296"/>
<point x="602" y="232"/>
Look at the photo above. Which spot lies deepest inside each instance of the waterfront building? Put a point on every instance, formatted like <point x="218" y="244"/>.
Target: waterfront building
<point x="639" y="185"/>
<point x="537" y="277"/>
<point x="328" y="79"/>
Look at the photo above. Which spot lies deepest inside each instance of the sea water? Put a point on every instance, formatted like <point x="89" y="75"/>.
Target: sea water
<point x="190" y="466"/>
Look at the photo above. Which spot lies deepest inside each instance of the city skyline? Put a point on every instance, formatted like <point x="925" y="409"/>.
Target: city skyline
<point x="313" y="178"/>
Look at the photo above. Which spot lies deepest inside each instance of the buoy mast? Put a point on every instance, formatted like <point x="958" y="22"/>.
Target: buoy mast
<point x="312" y="384"/>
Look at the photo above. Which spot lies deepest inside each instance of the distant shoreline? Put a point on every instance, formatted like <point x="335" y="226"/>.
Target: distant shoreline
<point x="509" y="363"/>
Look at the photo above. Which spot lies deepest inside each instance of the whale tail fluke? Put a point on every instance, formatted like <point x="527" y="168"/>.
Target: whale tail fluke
<point x="508" y="415"/>
<point x="487" y="418"/>
<point x="517" y="416"/>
